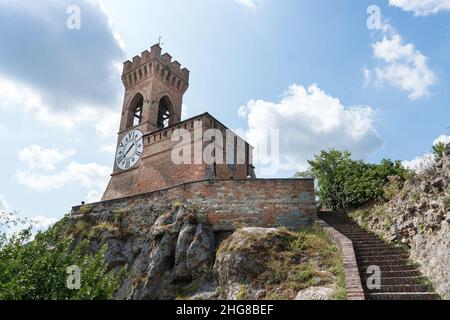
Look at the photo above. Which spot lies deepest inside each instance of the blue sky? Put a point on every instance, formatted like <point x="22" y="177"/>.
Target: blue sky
<point x="312" y="69"/>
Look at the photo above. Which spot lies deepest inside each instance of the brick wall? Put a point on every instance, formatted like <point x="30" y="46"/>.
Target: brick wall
<point x="227" y="203"/>
<point x="156" y="169"/>
<point x="353" y="283"/>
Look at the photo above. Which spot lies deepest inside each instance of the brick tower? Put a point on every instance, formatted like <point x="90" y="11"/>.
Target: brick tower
<point x="151" y="112"/>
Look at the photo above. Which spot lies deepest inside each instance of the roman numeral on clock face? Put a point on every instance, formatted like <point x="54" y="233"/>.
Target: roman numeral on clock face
<point x="130" y="150"/>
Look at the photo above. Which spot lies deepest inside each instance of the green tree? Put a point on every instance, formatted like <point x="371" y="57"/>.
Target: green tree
<point x="37" y="268"/>
<point x="345" y="183"/>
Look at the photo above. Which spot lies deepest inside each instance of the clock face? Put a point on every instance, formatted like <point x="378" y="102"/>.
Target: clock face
<point x="130" y="150"/>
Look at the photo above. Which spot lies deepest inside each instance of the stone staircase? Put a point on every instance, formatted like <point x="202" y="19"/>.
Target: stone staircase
<point x="399" y="279"/>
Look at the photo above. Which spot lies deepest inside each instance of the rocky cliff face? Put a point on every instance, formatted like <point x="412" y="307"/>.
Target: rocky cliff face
<point x="172" y="253"/>
<point x="419" y="217"/>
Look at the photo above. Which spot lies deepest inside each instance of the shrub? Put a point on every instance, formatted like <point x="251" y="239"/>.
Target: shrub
<point x="37" y="269"/>
<point x="86" y="209"/>
<point x="438" y="150"/>
<point x="393" y="187"/>
<point x="346" y="183"/>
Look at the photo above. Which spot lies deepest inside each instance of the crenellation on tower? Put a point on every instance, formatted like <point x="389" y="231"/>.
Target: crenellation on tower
<point x="185" y="74"/>
<point x="176" y="66"/>
<point x="166" y="58"/>
<point x="151" y="63"/>
<point x="146" y="55"/>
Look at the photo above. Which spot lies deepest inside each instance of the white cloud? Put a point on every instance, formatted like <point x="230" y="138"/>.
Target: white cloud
<point x="4" y="205"/>
<point x="40" y="172"/>
<point x="89" y="176"/>
<point x="242" y="112"/>
<point x="109" y="148"/>
<point x="39" y="158"/>
<point x="309" y="121"/>
<point x="184" y="112"/>
<point x="420" y="164"/>
<point x="443" y="139"/>
<point x="14" y="94"/>
<point x="403" y="66"/>
<point x="367" y="76"/>
<point x="422" y="7"/>
<point x="12" y="223"/>
<point x="108" y="124"/>
<point x="252" y="4"/>
<point x="41" y="223"/>
<point x="68" y="68"/>
<point x="427" y="160"/>
<point x="93" y="196"/>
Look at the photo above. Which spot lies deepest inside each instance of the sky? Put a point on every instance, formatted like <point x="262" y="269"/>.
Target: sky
<point x="371" y="77"/>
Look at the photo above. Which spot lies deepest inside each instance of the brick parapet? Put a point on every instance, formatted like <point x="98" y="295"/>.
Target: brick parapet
<point x="353" y="282"/>
<point x="230" y="203"/>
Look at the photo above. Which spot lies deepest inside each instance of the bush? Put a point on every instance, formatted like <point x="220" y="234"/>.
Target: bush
<point x="346" y="183"/>
<point x="438" y="150"/>
<point x="37" y="269"/>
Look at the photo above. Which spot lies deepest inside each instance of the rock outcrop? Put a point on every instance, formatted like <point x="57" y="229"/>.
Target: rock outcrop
<point x="419" y="217"/>
<point x="172" y="252"/>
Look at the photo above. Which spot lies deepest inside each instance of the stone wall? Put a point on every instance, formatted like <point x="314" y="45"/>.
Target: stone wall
<point x="226" y="203"/>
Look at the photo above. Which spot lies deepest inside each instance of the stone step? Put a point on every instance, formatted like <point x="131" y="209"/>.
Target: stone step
<point x="363" y="237"/>
<point x="386" y="260"/>
<point x="367" y="245"/>
<point x="397" y="280"/>
<point x="402" y="296"/>
<point x="381" y="248"/>
<point x="400" y="288"/>
<point x="371" y="244"/>
<point x="381" y="253"/>
<point x="385" y="268"/>
<point x="398" y="273"/>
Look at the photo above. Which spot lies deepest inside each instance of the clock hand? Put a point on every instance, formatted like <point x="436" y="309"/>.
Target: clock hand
<point x="125" y="155"/>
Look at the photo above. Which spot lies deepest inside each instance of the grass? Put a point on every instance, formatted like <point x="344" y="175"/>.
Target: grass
<point x="298" y="260"/>
<point x="242" y="293"/>
<point x="86" y="209"/>
<point x="105" y="226"/>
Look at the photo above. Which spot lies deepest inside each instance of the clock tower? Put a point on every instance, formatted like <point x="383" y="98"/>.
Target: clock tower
<point x="151" y="112"/>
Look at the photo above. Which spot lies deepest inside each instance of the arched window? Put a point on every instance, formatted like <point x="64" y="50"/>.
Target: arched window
<point x="164" y="113"/>
<point x="135" y="111"/>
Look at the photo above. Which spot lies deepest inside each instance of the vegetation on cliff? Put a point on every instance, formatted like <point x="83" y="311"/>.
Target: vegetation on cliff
<point x="345" y="183"/>
<point x="37" y="268"/>
<point x="170" y="253"/>
<point x="257" y="263"/>
<point x="409" y="208"/>
<point x="417" y="216"/>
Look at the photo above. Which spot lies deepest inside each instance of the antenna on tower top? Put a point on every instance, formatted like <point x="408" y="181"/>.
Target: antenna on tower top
<point x="160" y="43"/>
